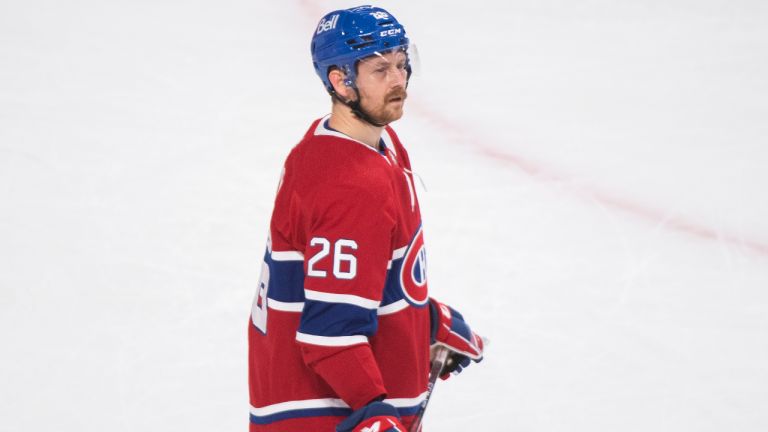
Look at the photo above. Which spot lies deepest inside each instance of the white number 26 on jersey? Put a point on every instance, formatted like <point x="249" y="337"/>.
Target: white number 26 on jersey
<point x="339" y="256"/>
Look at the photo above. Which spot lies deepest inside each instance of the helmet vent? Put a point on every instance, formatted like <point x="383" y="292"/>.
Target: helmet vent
<point x="366" y="38"/>
<point x="363" y="45"/>
<point x="351" y="41"/>
<point x="384" y="23"/>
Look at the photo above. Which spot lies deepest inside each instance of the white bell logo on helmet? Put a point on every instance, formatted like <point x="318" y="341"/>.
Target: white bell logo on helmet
<point x="327" y="25"/>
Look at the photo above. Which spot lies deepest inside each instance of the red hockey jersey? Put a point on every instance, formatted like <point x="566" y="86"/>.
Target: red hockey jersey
<point x="340" y="314"/>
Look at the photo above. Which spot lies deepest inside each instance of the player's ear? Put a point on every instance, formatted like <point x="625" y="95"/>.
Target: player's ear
<point x="336" y="77"/>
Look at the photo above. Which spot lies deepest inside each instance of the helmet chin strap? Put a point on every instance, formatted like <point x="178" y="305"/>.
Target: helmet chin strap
<point x="357" y="110"/>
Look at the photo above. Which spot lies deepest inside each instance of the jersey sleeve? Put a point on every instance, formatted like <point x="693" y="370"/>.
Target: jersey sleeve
<point x="347" y="252"/>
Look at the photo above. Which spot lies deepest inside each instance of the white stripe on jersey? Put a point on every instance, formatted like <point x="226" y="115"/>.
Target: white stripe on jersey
<point x="393" y="307"/>
<point x="328" y="403"/>
<point x="406" y="403"/>
<point x="331" y="340"/>
<point x="297" y="405"/>
<point x="299" y="306"/>
<point x="287" y="256"/>
<point x="341" y="298"/>
<point x="285" y="307"/>
<point x="397" y="254"/>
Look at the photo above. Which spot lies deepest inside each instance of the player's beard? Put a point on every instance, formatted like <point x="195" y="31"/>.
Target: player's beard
<point x="386" y="112"/>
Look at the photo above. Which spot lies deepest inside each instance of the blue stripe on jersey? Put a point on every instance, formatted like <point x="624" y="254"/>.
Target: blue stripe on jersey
<point x="286" y="280"/>
<point x="320" y="412"/>
<point x="392" y="291"/>
<point x="337" y="319"/>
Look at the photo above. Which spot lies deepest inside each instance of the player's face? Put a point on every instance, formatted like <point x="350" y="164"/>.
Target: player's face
<point x="381" y="80"/>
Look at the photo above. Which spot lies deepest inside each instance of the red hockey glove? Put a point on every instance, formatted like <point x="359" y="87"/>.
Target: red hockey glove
<point x="449" y="330"/>
<point x="374" y="417"/>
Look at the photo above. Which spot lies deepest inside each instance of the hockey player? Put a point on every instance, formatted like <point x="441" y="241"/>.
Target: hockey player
<point x="342" y="323"/>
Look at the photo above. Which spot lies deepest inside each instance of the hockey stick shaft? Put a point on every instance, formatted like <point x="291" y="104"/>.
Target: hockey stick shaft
<point x="441" y="354"/>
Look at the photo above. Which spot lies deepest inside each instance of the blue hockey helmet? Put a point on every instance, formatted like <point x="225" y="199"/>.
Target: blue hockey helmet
<point x="345" y="36"/>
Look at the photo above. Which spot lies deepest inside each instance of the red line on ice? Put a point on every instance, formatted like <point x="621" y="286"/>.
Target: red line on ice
<point x="539" y="171"/>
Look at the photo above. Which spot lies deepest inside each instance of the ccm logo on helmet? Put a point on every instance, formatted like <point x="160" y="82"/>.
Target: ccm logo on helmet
<point x="391" y="32"/>
<point x="413" y="273"/>
<point x="327" y="25"/>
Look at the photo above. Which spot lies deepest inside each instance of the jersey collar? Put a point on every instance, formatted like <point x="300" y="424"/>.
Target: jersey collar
<point x="323" y="129"/>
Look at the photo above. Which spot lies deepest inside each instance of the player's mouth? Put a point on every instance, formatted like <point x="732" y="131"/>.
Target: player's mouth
<point x="397" y="96"/>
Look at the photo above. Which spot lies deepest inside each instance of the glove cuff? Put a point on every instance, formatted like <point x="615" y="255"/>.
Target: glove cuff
<point x="368" y="416"/>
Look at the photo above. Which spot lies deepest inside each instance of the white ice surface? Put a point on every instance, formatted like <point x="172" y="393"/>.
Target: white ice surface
<point x="597" y="206"/>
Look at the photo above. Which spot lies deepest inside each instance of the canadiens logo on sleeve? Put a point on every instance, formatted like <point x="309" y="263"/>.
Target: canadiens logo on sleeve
<point x="413" y="273"/>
